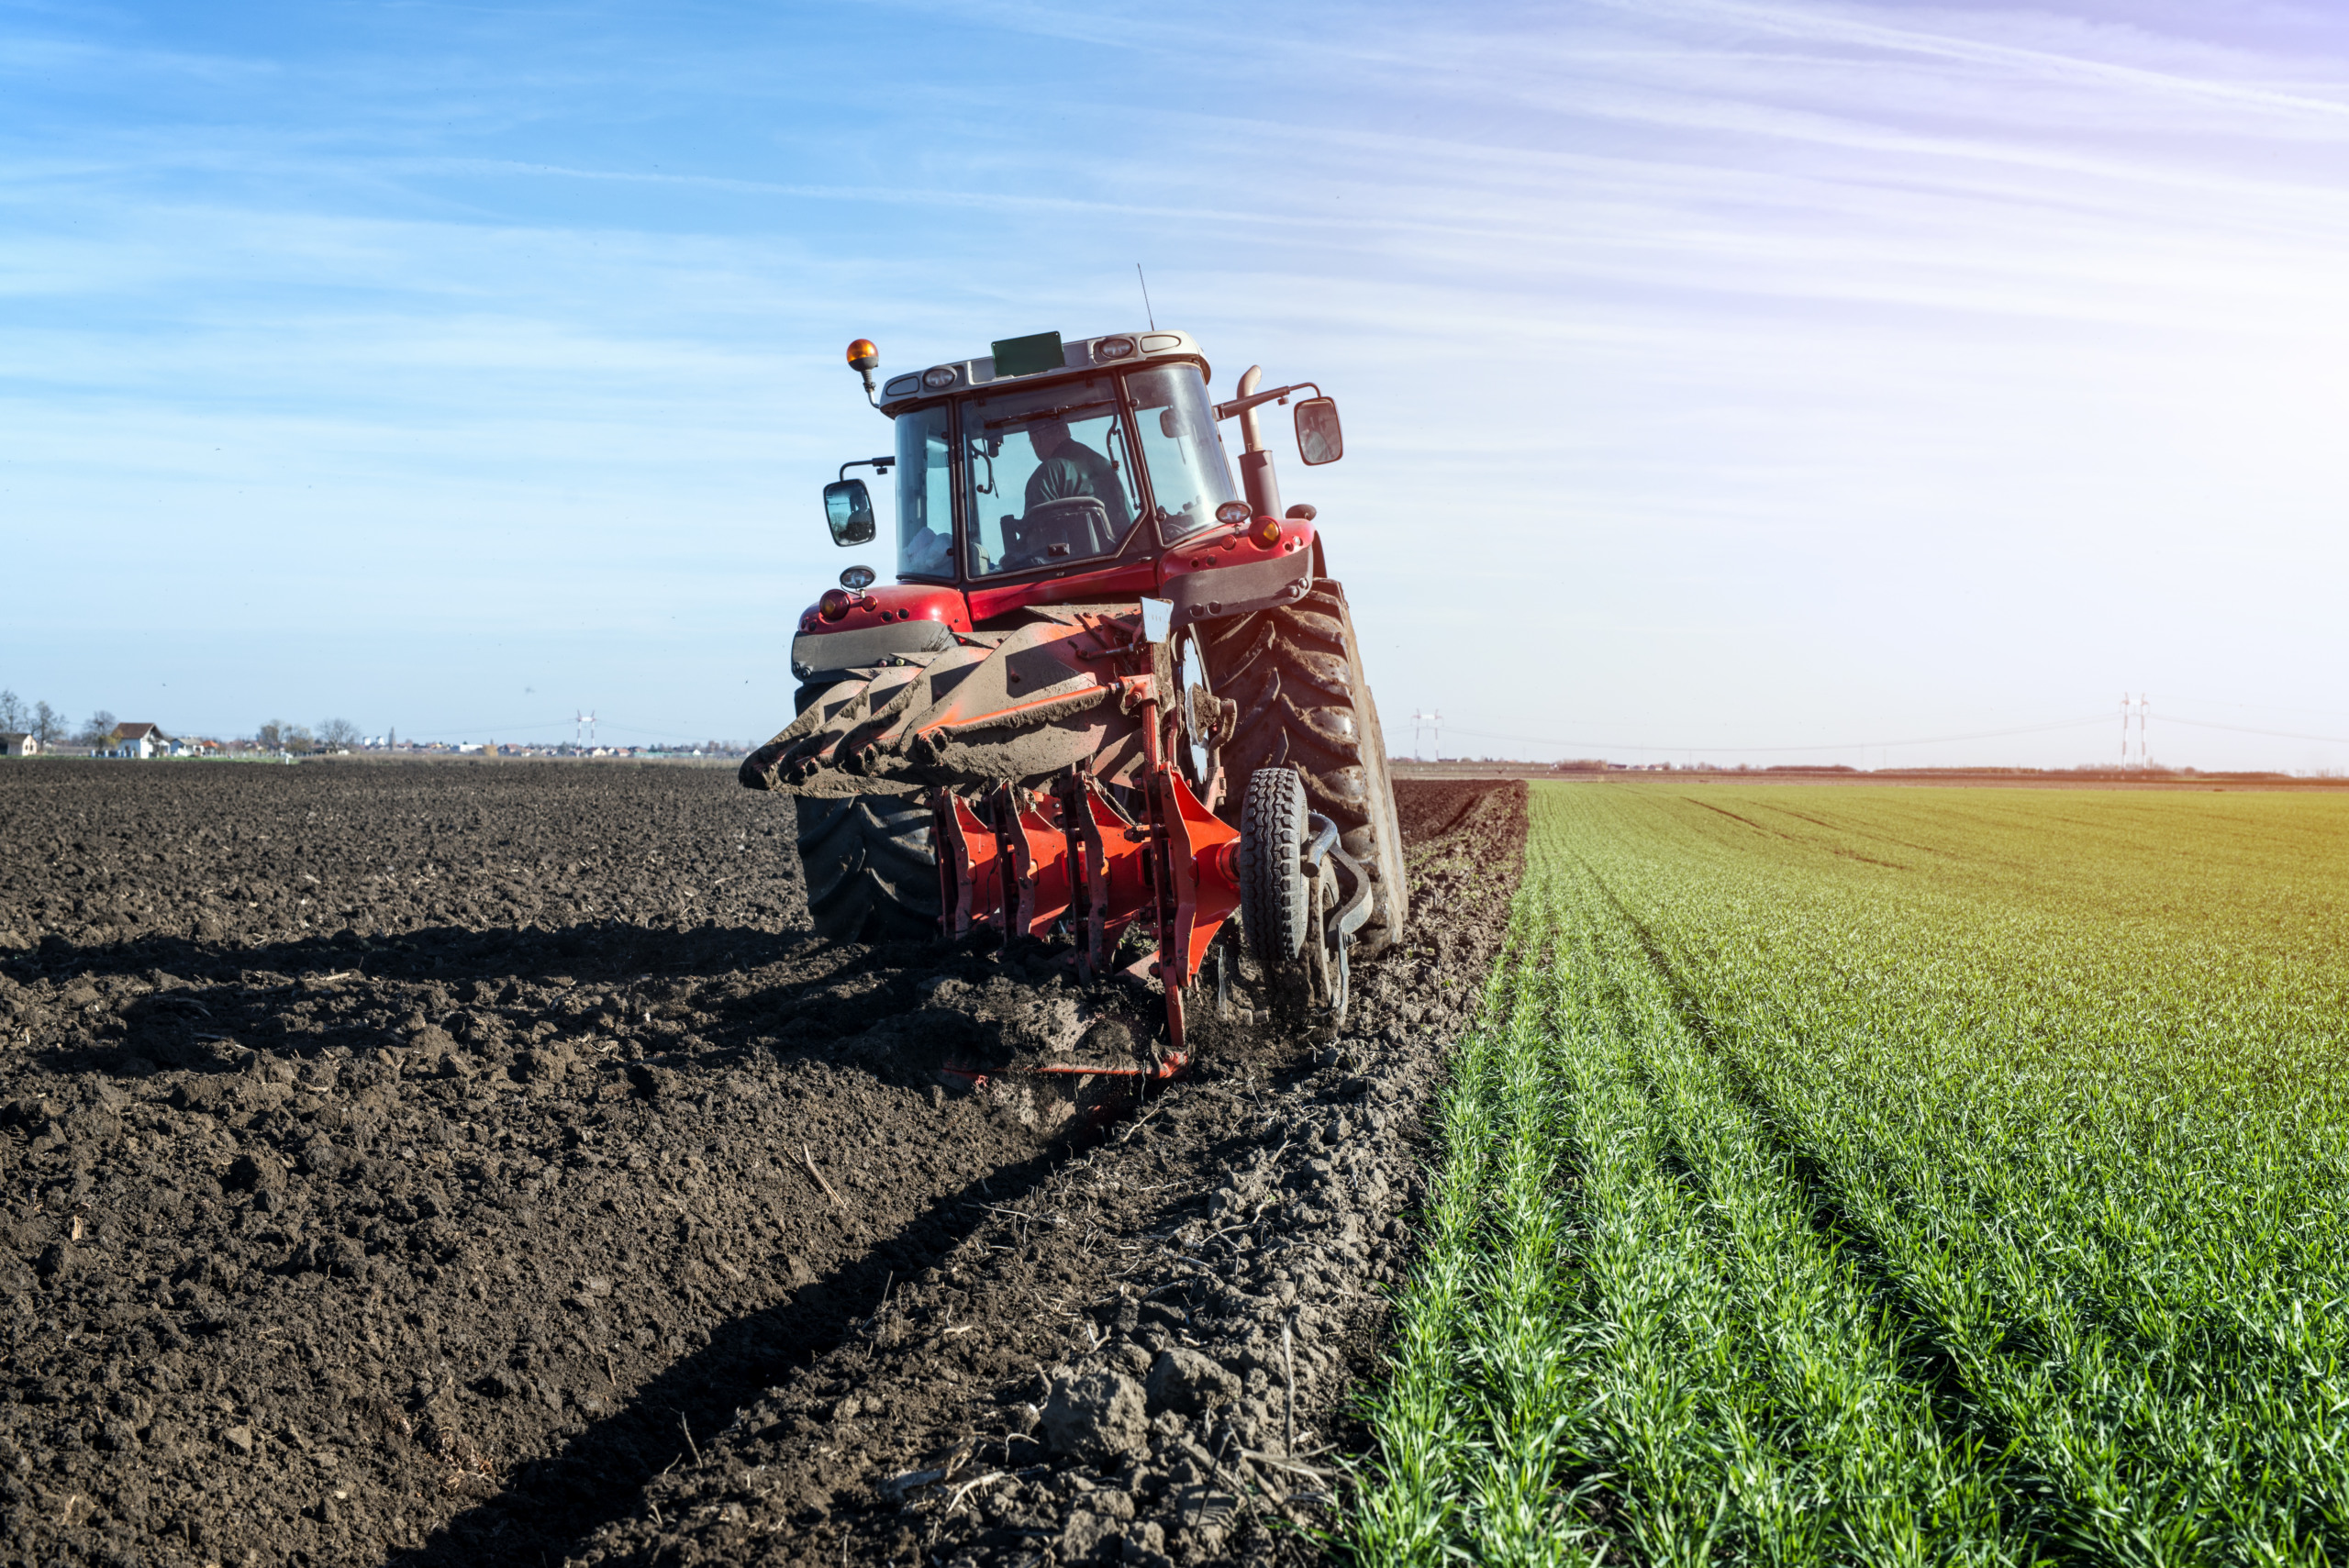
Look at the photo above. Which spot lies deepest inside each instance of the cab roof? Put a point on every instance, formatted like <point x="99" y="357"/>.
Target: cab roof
<point x="1111" y="350"/>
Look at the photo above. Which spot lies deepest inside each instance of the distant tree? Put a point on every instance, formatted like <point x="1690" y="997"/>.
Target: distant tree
<point x="299" y="739"/>
<point x="14" y="719"/>
<point x="336" y="733"/>
<point x="270" y="737"/>
<point x="48" y="724"/>
<point x="99" y="730"/>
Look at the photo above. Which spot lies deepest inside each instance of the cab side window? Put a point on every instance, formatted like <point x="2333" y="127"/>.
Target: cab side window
<point x="925" y="494"/>
<point x="1189" y="472"/>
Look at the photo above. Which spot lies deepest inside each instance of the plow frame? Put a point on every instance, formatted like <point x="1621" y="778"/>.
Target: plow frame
<point x="1039" y="856"/>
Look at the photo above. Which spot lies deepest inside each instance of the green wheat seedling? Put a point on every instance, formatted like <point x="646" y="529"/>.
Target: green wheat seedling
<point x="1890" y="1177"/>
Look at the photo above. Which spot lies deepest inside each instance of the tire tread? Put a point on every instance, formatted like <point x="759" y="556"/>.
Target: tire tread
<point x="869" y="873"/>
<point x="1296" y="672"/>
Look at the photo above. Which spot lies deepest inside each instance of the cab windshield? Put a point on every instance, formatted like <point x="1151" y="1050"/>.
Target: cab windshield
<point x="1048" y="476"/>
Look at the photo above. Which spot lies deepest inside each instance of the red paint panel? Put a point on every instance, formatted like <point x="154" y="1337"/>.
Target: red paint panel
<point x="1111" y="584"/>
<point x="1232" y="546"/>
<point x="886" y="602"/>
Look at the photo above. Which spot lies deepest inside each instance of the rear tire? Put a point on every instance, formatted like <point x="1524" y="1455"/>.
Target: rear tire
<point x="1296" y="674"/>
<point x="870" y="873"/>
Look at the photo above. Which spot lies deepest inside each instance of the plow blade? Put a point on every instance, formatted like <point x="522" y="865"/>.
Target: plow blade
<point x="970" y="870"/>
<point x="1069" y="854"/>
<point x="1038" y="890"/>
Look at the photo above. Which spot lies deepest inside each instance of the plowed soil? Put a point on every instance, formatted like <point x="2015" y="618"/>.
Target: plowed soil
<point x="440" y="1163"/>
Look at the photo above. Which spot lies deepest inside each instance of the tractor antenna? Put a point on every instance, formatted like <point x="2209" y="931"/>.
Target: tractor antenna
<point x="1145" y="297"/>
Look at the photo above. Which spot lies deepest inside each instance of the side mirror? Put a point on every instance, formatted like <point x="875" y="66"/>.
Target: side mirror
<point x="848" y="506"/>
<point x="1319" y="439"/>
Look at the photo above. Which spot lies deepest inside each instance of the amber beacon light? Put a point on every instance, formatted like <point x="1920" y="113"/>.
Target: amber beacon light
<point x="864" y="358"/>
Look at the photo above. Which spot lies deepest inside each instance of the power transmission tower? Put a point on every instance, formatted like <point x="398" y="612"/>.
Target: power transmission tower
<point x="2144" y="755"/>
<point x="1433" y="723"/>
<point x="584" y="723"/>
<point x="2124" y="729"/>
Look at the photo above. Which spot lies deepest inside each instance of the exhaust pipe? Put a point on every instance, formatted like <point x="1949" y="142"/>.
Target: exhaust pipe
<point x="1256" y="477"/>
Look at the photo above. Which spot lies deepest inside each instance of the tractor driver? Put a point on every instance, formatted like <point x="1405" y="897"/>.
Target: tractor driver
<point x="1068" y="467"/>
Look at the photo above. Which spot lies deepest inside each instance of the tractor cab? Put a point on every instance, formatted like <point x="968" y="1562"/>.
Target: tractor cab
<point x="1045" y="460"/>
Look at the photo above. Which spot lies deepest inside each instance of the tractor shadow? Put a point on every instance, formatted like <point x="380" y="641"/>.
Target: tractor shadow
<point x="602" y="948"/>
<point x="551" y="1507"/>
<point x="751" y="980"/>
<point x="238" y="999"/>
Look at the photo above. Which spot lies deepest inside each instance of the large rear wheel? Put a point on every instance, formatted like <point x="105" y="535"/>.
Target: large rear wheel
<point x="870" y="873"/>
<point x="1296" y="674"/>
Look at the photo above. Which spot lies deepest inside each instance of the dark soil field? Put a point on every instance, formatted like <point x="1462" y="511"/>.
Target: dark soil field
<point x="447" y="1164"/>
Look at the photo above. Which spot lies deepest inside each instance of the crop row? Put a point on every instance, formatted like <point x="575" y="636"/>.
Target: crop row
<point x="1889" y="1177"/>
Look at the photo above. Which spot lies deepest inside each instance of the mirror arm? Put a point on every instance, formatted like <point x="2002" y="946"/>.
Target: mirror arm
<point x="1238" y="406"/>
<point x="877" y="464"/>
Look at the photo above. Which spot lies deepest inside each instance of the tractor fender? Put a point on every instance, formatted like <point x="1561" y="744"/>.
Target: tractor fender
<point x="881" y="624"/>
<point x="1237" y="574"/>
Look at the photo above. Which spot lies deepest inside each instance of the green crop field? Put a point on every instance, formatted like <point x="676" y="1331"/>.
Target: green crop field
<point x="1887" y="1175"/>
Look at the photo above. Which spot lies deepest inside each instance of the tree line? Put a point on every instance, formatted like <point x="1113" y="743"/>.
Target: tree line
<point x="41" y="722"/>
<point x="51" y="727"/>
<point x="332" y="736"/>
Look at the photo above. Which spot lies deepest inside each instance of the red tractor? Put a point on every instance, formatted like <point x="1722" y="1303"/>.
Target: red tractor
<point x="1109" y="693"/>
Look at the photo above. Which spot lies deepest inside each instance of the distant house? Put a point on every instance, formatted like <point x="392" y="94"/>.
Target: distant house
<point x="137" y="741"/>
<point x="16" y="745"/>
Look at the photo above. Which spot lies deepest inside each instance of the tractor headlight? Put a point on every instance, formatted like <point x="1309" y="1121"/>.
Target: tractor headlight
<point x="1113" y="348"/>
<point x="939" y="379"/>
<point x="1233" y="513"/>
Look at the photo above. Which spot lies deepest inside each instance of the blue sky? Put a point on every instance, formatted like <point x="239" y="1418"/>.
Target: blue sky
<point x="1773" y="382"/>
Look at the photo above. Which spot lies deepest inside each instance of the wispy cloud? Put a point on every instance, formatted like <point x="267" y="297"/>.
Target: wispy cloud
<point x="1685" y="336"/>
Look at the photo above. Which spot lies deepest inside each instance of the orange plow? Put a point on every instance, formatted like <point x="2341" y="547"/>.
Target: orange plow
<point x="1027" y="861"/>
